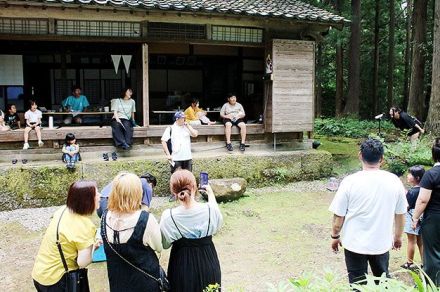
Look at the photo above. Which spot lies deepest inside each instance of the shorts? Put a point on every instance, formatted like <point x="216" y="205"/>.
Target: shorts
<point x="232" y="122"/>
<point x="182" y="164"/>
<point x="408" y="222"/>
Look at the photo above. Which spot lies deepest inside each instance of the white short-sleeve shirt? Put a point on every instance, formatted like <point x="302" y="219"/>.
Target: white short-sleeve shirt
<point x="369" y="200"/>
<point x="33" y="117"/>
<point x="180" y="141"/>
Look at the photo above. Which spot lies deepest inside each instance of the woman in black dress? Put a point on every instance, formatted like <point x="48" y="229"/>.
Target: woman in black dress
<point x="131" y="238"/>
<point x="428" y="204"/>
<point x="193" y="263"/>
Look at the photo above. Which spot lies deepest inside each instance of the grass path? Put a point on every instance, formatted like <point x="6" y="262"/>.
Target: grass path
<point x="268" y="236"/>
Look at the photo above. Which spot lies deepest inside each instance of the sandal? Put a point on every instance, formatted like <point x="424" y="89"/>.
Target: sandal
<point x="14" y="161"/>
<point x="242" y="147"/>
<point x="229" y="147"/>
<point x="114" y="156"/>
<point x="105" y="156"/>
<point x="407" y="266"/>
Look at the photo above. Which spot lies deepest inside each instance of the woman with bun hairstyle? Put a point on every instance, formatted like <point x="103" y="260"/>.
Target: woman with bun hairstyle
<point x="188" y="228"/>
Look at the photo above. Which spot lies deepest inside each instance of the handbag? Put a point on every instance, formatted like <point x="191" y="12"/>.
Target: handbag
<point x="164" y="284"/>
<point x="76" y="280"/>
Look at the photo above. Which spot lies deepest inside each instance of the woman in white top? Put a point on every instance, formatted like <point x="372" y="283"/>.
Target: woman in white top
<point x="193" y="263"/>
<point x="131" y="238"/>
<point x="123" y="119"/>
<point x="3" y="126"/>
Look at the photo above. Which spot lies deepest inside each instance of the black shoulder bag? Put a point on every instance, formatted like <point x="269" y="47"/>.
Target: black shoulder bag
<point x="169" y="145"/>
<point x="164" y="285"/>
<point x="76" y="280"/>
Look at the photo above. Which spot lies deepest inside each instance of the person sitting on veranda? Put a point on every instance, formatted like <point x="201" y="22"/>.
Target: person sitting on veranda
<point x="3" y="126"/>
<point x="233" y="114"/>
<point x="194" y="115"/>
<point x="75" y="103"/>
<point x="403" y="121"/>
<point x="11" y="117"/>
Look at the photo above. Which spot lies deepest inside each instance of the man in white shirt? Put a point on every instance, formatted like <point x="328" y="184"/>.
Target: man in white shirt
<point x="180" y="134"/>
<point x="365" y="207"/>
<point x="233" y="114"/>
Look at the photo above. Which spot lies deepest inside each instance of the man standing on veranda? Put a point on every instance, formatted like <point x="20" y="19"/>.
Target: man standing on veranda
<point x="365" y="207"/>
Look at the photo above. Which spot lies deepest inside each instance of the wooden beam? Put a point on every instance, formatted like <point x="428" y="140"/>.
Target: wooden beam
<point x="145" y="87"/>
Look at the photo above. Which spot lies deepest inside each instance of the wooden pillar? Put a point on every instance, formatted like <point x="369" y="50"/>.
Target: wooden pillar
<point x="145" y="87"/>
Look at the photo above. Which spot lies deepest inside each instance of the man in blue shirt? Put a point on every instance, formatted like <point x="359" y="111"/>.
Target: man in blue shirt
<point x="75" y="103"/>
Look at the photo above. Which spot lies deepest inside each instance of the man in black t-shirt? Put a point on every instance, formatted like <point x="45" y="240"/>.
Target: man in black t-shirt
<point x="403" y="121"/>
<point x="11" y="117"/>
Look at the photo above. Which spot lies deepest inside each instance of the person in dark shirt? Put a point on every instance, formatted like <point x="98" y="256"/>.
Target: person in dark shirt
<point x="428" y="203"/>
<point x="415" y="174"/>
<point x="403" y="121"/>
<point x="11" y="117"/>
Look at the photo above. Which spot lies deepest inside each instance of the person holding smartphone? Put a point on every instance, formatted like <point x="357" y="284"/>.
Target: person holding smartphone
<point x="188" y="229"/>
<point x="180" y="133"/>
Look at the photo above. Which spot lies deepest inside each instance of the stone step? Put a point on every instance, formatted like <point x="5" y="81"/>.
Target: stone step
<point x="137" y="151"/>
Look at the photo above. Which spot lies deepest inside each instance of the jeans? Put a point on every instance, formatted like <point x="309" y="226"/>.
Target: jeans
<point x="357" y="265"/>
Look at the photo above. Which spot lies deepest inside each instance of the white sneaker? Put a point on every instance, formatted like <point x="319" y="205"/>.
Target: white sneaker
<point x="40" y="143"/>
<point x="26" y="146"/>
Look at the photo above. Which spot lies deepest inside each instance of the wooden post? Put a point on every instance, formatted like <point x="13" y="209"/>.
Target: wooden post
<point x="145" y="87"/>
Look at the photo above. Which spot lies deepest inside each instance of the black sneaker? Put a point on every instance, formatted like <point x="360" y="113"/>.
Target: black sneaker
<point x="105" y="156"/>
<point x="14" y="161"/>
<point x="114" y="156"/>
<point x="229" y="147"/>
<point x="242" y="147"/>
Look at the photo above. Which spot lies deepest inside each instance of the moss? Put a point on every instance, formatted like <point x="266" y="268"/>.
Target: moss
<point x="47" y="186"/>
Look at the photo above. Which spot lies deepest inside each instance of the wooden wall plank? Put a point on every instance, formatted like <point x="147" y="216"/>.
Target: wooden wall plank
<point x="145" y="86"/>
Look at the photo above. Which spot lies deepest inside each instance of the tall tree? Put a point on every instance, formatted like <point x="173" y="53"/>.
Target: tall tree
<point x="407" y="56"/>
<point x="390" y="79"/>
<point x="376" y="58"/>
<point x="339" y="68"/>
<point x="416" y="88"/>
<point x="433" y="120"/>
<point x="354" y="66"/>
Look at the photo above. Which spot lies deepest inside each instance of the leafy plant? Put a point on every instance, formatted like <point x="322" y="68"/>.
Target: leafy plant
<point x="349" y="127"/>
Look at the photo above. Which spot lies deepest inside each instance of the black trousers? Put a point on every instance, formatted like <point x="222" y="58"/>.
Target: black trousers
<point x="60" y="286"/>
<point x="430" y="232"/>
<point x="183" y="164"/>
<point x="122" y="134"/>
<point x="357" y="265"/>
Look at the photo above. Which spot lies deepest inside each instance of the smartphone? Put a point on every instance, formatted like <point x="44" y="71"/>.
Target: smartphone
<point x="204" y="180"/>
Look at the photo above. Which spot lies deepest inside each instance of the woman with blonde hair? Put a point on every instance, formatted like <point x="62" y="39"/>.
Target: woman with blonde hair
<point x="188" y="228"/>
<point x="131" y="237"/>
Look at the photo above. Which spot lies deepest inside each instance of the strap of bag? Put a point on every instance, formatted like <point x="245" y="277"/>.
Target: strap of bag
<point x="104" y="231"/>
<point x="59" y="244"/>
<point x="122" y="106"/>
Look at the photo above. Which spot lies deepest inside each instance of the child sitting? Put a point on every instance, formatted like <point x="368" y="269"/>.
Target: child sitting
<point x="415" y="174"/>
<point x="33" y="122"/>
<point x="11" y="118"/>
<point x="70" y="151"/>
<point x="3" y="126"/>
<point x="195" y="115"/>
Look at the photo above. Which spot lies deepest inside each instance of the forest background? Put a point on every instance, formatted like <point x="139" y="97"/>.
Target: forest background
<point x="387" y="55"/>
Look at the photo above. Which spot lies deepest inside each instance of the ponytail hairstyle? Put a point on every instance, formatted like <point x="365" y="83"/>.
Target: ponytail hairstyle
<point x="183" y="185"/>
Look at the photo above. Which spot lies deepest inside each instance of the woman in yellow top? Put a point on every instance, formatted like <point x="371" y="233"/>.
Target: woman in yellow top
<point x="195" y="115"/>
<point x="76" y="234"/>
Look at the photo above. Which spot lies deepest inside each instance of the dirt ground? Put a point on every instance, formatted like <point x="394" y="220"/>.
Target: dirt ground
<point x="270" y="235"/>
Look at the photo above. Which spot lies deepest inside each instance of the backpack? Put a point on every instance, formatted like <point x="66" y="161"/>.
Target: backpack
<point x="169" y="145"/>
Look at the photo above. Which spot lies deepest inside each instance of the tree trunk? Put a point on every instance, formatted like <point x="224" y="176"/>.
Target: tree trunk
<point x="318" y="93"/>
<point x="339" y="68"/>
<point x="433" y="120"/>
<point x="390" y="79"/>
<point x="416" y="95"/>
<point x="352" y="104"/>
<point x="407" y="54"/>
<point x="376" y="59"/>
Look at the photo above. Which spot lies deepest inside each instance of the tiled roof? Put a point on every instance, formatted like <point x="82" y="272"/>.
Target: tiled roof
<point x="285" y="9"/>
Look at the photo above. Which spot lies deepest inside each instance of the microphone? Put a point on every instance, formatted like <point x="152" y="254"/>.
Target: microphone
<point x="378" y="117"/>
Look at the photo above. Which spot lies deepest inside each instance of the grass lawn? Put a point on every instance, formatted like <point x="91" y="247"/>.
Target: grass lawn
<point x="270" y="235"/>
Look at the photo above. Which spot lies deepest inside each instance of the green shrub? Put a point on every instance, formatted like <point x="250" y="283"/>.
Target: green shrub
<point x="349" y="127"/>
<point x="401" y="155"/>
<point x="330" y="282"/>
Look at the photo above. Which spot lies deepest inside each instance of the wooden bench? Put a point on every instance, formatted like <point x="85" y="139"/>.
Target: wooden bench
<point x="95" y="132"/>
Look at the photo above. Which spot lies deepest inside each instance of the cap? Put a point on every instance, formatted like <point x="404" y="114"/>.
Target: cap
<point x="178" y="115"/>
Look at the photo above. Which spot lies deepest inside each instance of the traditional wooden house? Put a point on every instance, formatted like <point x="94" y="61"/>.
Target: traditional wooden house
<point x="169" y="52"/>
